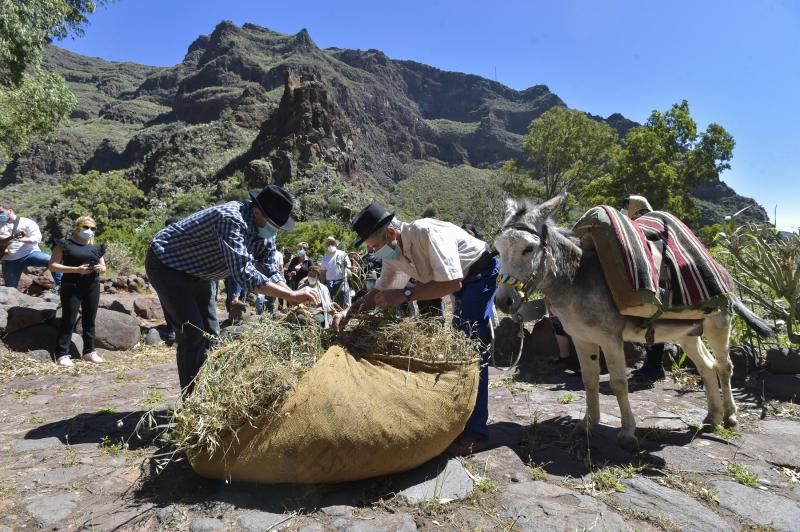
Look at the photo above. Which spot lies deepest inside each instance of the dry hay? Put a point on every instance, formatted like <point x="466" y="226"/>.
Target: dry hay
<point x="251" y="375"/>
<point x="15" y="364"/>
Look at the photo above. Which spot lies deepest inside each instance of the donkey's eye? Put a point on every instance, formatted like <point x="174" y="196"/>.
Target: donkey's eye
<point x="527" y="250"/>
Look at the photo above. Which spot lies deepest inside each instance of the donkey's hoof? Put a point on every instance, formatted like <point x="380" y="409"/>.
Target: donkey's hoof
<point x="731" y="421"/>
<point x="711" y="422"/>
<point x="628" y="441"/>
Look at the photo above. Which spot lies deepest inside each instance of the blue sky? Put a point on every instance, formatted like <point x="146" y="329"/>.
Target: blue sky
<point x="736" y="61"/>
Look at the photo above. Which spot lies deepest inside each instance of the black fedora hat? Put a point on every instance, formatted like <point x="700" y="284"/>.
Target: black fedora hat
<point x="371" y="218"/>
<point x="276" y="204"/>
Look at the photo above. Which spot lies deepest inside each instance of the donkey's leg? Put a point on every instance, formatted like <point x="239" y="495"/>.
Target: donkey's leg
<point x="698" y="354"/>
<point x="618" y="379"/>
<point x="589" y="359"/>
<point x="717" y="331"/>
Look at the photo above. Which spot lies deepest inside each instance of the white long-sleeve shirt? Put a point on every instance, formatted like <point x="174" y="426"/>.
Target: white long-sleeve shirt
<point x="19" y="250"/>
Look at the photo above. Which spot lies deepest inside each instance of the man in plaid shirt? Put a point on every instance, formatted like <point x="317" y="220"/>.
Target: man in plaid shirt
<point x="236" y="239"/>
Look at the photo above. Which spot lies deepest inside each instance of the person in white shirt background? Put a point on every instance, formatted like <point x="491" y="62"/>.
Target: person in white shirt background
<point x="21" y="252"/>
<point x="335" y="265"/>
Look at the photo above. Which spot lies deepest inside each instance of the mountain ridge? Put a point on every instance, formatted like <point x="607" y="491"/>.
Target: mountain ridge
<point x="272" y="106"/>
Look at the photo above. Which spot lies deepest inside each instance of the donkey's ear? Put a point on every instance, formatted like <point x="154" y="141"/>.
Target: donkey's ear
<point x="550" y="206"/>
<point x="512" y="205"/>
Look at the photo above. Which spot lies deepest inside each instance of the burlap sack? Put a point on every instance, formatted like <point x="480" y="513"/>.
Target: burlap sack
<point x="351" y="418"/>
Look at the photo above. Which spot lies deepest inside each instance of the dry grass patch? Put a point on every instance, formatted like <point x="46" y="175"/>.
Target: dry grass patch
<point x="14" y="365"/>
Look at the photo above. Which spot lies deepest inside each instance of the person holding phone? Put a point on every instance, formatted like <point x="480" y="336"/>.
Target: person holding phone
<point x="80" y="262"/>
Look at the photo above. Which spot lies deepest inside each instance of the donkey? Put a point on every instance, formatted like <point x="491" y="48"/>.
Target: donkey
<point x="542" y="257"/>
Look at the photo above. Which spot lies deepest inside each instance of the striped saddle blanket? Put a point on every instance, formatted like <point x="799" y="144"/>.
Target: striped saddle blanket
<point x="654" y="265"/>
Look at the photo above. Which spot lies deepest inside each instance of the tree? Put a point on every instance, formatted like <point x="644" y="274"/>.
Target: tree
<point x="113" y="201"/>
<point x="666" y="158"/>
<point x="33" y="101"/>
<point x="566" y="151"/>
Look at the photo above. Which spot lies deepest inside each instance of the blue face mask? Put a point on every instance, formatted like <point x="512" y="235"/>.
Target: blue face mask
<point x="3" y="218"/>
<point x="86" y="233"/>
<point x="388" y="253"/>
<point x="267" y="232"/>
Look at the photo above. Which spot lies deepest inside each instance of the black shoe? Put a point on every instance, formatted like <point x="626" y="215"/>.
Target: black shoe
<point x="647" y="375"/>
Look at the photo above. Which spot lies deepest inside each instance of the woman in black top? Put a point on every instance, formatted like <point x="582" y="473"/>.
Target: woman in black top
<point x="81" y="262"/>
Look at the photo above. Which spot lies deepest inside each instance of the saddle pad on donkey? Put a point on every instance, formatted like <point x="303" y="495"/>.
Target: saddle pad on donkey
<point x="626" y="259"/>
<point x="697" y="280"/>
<point x="696" y="283"/>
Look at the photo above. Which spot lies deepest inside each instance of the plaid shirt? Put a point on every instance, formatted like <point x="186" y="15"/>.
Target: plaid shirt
<point x="217" y="242"/>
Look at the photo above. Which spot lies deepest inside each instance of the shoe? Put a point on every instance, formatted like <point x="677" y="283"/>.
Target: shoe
<point x="647" y="375"/>
<point x="92" y="357"/>
<point x="65" y="361"/>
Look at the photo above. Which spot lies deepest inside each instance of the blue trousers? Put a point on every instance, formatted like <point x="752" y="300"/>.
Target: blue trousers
<point x="474" y="303"/>
<point x="12" y="269"/>
<point x="340" y="292"/>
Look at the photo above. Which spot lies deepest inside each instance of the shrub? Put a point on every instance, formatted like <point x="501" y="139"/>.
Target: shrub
<point x="119" y="257"/>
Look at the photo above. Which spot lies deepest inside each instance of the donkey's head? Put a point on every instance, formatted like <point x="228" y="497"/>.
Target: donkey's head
<point x="522" y="244"/>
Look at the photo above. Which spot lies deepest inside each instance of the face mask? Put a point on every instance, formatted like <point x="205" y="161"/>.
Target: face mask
<point x="86" y="233"/>
<point x="312" y="281"/>
<point x="267" y="232"/>
<point x="370" y="284"/>
<point x="301" y="253"/>
<point x="388" y="253"/>
<point x="331" y="249"/>
<point x="3" y="218"/>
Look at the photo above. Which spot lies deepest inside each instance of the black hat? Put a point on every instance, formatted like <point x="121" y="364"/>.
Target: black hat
<point x="372" y="218"/>
<point x="276" y="204"/>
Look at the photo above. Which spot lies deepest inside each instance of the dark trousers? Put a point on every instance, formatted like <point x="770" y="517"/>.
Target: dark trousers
<point x="431" y="308"/>
<point x="474" y="303"/>
<point x="190" y="310"/>
<point x="77" y="298"/>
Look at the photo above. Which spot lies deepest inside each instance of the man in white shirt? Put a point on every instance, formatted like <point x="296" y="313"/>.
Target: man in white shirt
<point x="335" y="264"/>
<point x="24" y="251"/>
<point x="443" y="259"/>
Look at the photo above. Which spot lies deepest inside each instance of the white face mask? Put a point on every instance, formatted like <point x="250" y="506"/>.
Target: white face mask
<point x="331" y="249"/>
<point x="301" y="253"/>
<point x="312" y="281"/>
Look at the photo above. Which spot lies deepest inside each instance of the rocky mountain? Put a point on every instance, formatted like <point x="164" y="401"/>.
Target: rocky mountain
<point x="250" y="104"/>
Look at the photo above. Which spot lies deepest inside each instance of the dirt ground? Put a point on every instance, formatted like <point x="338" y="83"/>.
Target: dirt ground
<point x="71" y="460"/>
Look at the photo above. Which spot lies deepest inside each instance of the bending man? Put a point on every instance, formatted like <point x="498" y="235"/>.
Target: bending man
<point x="235" y="239"/>
<point x="443" y="259"/>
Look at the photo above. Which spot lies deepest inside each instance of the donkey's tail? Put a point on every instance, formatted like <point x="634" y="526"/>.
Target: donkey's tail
<point x="753" y="321"/>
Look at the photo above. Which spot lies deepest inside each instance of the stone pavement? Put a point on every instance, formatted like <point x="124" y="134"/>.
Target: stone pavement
<point x="70" y="461"/>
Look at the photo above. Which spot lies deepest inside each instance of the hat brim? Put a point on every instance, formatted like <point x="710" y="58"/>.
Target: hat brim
<point x="380" y="225"/>
<point x="288" y="226"/>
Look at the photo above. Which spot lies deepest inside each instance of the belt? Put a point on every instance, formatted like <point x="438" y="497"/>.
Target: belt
<point x="484" y="262"/>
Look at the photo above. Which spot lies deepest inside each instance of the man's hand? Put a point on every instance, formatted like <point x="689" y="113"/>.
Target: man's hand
<point x="390" y="298"/>
<point x="340" y="319"/>
<point x="305" y="295"/>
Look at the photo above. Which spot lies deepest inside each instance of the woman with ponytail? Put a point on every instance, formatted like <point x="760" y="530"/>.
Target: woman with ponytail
<point x="81" y="263"/>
